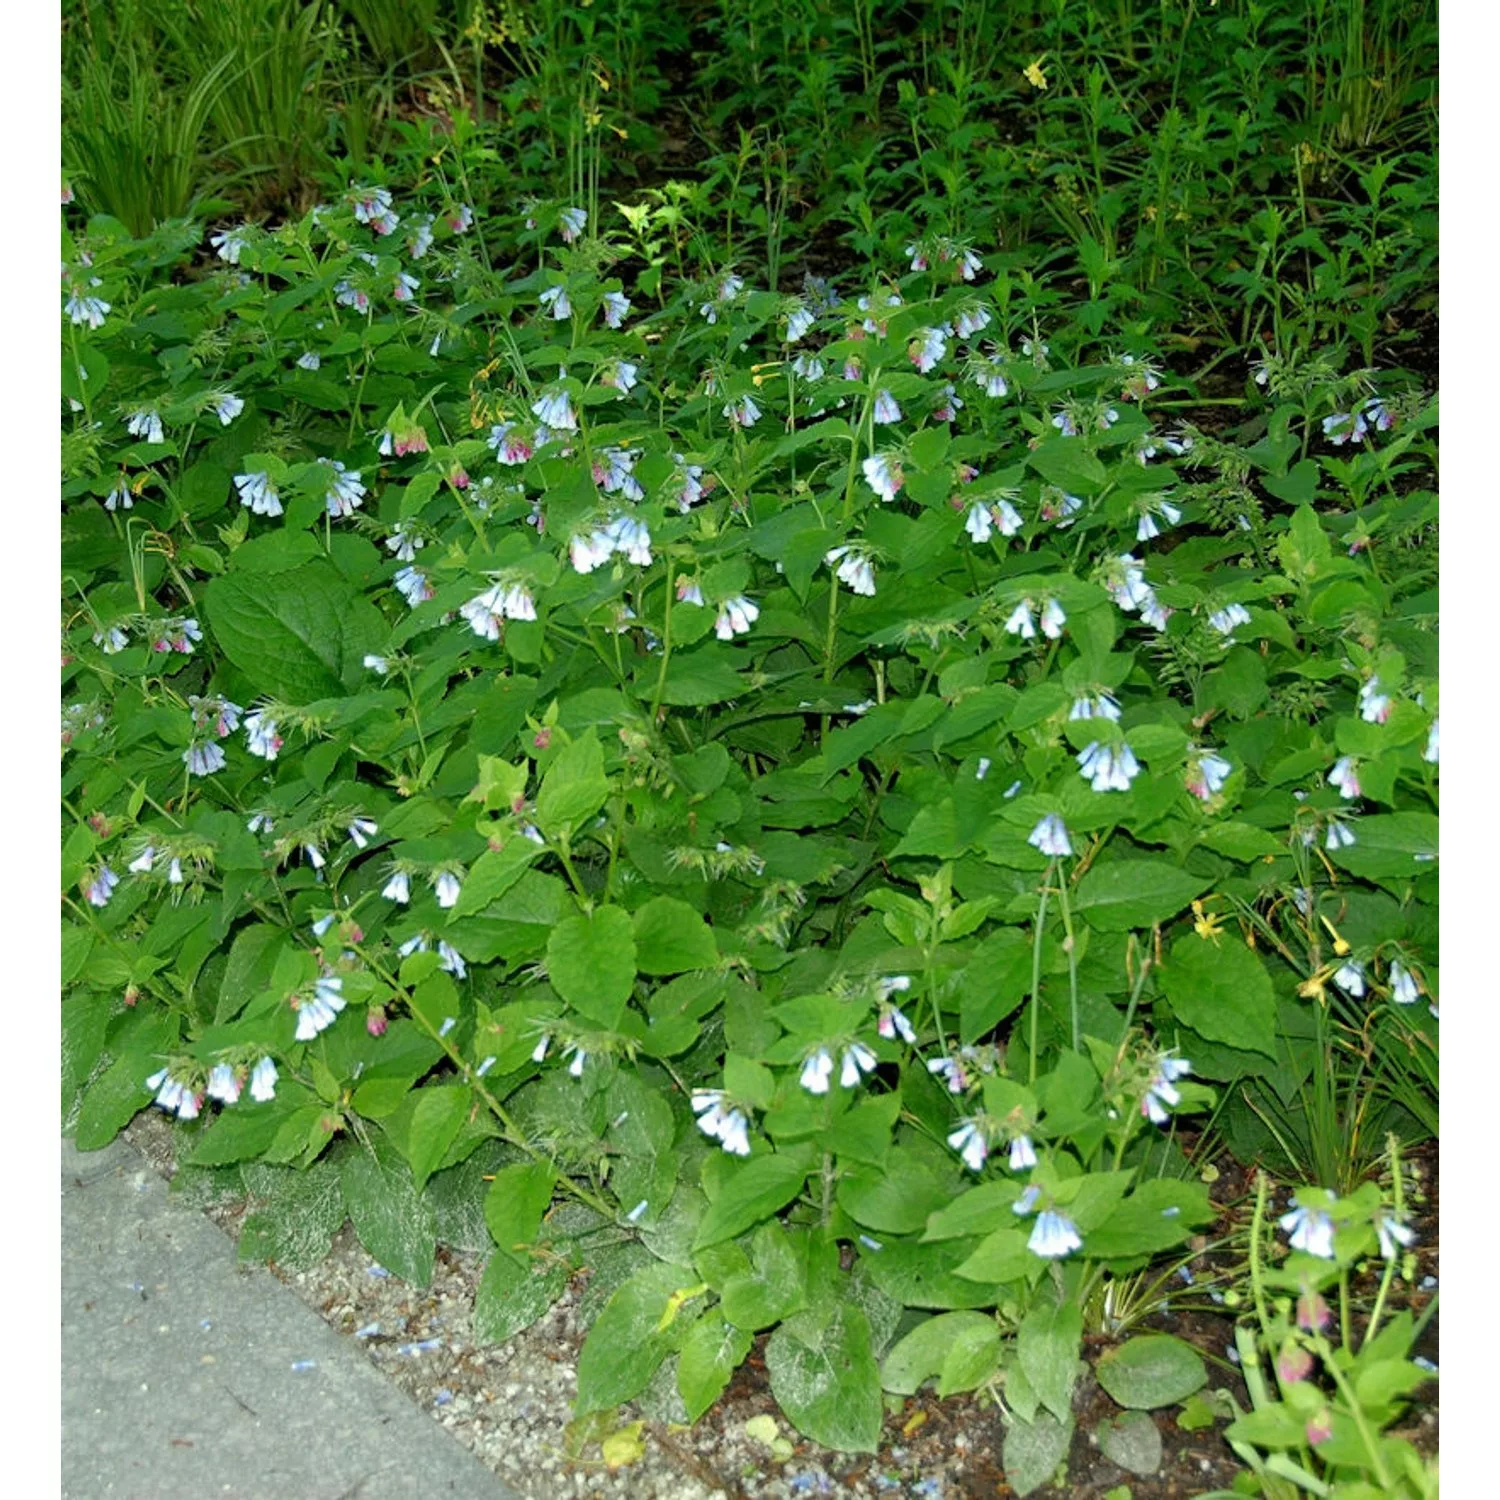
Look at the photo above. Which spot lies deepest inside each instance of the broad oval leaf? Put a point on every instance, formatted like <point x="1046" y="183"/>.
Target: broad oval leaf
<point x="1152" y="1370"/>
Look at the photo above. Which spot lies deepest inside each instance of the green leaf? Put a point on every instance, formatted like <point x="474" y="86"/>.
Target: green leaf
<point x="1239" y="684"/>
<point x="304" y="1129"/>
<point x="824" y="1377"/>
<point x="1297" y="486"/>
<point x="1067" y="463"/>
<point x="1132" y="1441"/>
<point x="300" y="635"/>
<point x="76" y="942"/>
<point x="1240" y="841"/>
<point x="120" y="1092"/>
<point x="916" y="1181"/>
<point x="513" y="1294"/>
<point x="932" y="1275"/>
<point x="972" y="1358"/>
<point x="435" y="998"/>
<point x="574" y="788"/>
<point x="978" y="1211"/>
<point x="1125" y="893"/>
<point x="301" y="1213"/>
<point x="773" y="1290"/>
<point x="1034" y="1449"/>
<point x="252" y="961"/>
<point x="752" y="1191"/>
<point x="376" y="1098"/>
<point x="1270" y="1426"/>
<point x="628" y="1340"/>
<point x="1391" y="845"/>
<point x="671" y="938"/>
<point x="493" y="874"/>
<point x="1001" y="1256"/>
<point x="1152" y="1370"/>
<point x="927" y="449"/>
<point x="749" y="1082"/>
<point x="86" y="1015"/>
<point x="1384" y="1382"/>
<point x="935" y="832"/>
<point x="418" y="491"/>
<point x="1305" y="551"/>
<point x="996" y="981"/>
<point x="863" y="1133"/>
<point x="710" y="1355"/>
<point x="515" y="1205"/>
<point x="1221" y="989"/>
<point x="1159" y="1214"/>
<point x="695" y="679"/>
<point x="456" y="1195"/>
<point x="591" y="963"/>
<point x="435" y="1123"/>
<point x="1047" y="1348"/>
<point x="920" y="1356"/>
<point x="641" y="1133"/>
<point x="392" y="1220"/>
<point x="239" y="1134"/>
<point x="1197" y="1415"/>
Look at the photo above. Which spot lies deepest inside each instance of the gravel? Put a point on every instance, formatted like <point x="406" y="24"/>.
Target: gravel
<point x="511" y="1404"/>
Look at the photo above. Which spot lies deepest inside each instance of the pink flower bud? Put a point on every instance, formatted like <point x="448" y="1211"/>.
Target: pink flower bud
<point x="1293" y="1364"/>
<point x="375" y="1022"/>
<point x="1320" y="1429"/>
<point x="1312" y="1312"/>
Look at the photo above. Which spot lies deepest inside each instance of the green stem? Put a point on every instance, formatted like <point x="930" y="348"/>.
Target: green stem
<point x="830" y="648"/>
<point x="830" y="640"/>
<point x="1257" y="1226"/>
<point x="1067" y="916"/>
<point x="1036" y="966"/>
<point x="1356" y="1411"/>
<point x="666" y="643"/>
<point x="1135" y="997"/>
<point x="1394" y="1148"/>
<point x="567" y="863"/>
<point x="513" y="1131"/>
<point x="930" y="981"/>
<point x="416" y="718"/>
<point x="83" y="391"/>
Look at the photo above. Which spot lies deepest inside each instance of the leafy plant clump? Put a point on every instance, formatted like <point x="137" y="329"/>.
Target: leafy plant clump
<point x="786" y="797"/>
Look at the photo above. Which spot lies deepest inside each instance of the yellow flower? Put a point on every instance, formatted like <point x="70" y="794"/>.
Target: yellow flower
<point x="1034" y="75"/>
<point x="1312" y="989"/>
<point x="1206" y="924"/>
<point x="1339" y="945"/>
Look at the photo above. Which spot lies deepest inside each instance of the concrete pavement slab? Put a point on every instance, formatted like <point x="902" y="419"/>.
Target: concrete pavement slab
<point x="185" y="1373"/>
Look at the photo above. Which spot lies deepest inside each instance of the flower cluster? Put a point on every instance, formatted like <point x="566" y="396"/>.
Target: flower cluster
<point x="722" y="1121"/>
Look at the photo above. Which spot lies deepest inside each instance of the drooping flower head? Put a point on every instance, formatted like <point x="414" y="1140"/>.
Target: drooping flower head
<point x="883" y="474"/>
<point x="1309" y="1227"/>
<point x="1109" y="768"/>
<point x="971" y="1141"/>
<point x="1206" y="774"/>
<point x="1054" y="1236"/>
<point x="854" y="569"/>
<point x="736" y="616"/>
<point x="1050" y="837"/>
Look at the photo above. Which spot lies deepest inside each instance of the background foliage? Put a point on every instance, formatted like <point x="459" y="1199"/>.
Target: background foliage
<point x="861" y="579"/>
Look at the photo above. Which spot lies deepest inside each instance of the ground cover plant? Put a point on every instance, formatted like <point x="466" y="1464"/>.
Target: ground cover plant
<point x="811" y="732"/>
